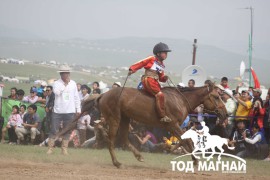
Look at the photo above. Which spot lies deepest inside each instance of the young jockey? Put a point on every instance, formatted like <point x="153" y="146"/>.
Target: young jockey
<point x="154" y="72"/>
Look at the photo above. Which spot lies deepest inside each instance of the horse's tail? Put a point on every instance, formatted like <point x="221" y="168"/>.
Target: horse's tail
<point x="88" y="105"/>
<point x="226" y="142"/>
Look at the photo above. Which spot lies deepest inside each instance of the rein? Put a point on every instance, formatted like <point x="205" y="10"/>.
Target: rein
<point x="123" y="88"/>
<point x="180" y="93"/>
<point x="216" y="106"/>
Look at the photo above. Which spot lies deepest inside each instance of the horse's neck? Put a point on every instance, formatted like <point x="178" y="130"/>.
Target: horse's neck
<point x="195" y="98"/>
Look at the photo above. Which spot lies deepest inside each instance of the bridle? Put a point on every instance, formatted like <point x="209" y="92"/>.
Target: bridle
<point x="217" y="107"/>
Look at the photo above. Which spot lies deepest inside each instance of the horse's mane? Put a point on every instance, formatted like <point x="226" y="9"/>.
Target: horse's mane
<point x="188" y="89"/>
<point x="185" y="89"/>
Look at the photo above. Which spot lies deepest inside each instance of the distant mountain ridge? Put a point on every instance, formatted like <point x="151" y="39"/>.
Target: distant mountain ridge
<point x="125" y="51"/>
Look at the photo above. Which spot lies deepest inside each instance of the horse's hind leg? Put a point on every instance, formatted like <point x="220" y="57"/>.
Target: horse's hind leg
<point x="124" y="130"/>
<point x="113" y="127"/>
<point x="187" y="143"/>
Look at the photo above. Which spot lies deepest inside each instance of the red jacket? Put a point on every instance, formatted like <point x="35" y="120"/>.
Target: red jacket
<point x="260" y="113"/>
<point x="152" y="63"/>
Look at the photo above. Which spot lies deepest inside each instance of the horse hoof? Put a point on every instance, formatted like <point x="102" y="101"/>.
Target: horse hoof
<point x="117" y="164"/>
<point x="140" y="159"/>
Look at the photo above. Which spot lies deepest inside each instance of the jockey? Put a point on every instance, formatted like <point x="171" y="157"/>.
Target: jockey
<point x="154" y="72"/>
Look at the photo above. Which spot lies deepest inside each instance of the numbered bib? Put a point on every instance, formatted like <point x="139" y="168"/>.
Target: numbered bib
<point x="66" y="96"/>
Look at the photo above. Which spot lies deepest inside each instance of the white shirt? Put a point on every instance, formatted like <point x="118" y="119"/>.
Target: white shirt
<point x="83" y="98"/>
<point x="256" y="138"/>
<point x="30" y="99"/>
<point x="231" y="109"/>
<point x="66" y="97"/>
<point x="81" y="122"/>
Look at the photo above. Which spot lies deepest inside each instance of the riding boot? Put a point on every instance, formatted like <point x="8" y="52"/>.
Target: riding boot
<point x="64" y="147"/>
<point x="50" y="146"/>
<point x="160" y="105"/>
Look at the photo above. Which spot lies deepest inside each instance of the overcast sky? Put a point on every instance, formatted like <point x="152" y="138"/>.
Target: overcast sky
<point x="216" y="22"/>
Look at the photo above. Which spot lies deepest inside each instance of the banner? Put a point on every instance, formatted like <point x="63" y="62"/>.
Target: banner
<point x="7" y="108"/>
<point x="255" y="78"/>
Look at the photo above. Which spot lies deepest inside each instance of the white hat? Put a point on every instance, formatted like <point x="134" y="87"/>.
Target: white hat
<point x="220" y="87"/>
<point x="117" y="83"/>
<point x="181" y="84"/>
<point x="228" y="92"/>
<point x="97" y="121"/>
<point x="64" y="68"/>
<point x="43" y="83"/>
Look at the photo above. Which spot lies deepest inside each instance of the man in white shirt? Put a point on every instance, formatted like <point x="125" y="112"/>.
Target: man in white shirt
<point x="66" y="105"/>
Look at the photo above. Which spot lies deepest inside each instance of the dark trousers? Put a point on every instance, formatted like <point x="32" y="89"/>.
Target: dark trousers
<point x="12" y="135"/>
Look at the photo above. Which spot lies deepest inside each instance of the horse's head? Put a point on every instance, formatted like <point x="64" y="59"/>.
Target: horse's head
<point x="213" y="103"/>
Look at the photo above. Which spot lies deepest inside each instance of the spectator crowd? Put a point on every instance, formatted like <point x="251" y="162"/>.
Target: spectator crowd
<point x="247" y="127"/>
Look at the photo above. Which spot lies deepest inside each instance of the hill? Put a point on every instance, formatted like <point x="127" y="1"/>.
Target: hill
<point x="125" y="51"/>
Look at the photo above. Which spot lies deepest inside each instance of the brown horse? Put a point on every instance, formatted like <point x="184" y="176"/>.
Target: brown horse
<point x="118" y="108"/>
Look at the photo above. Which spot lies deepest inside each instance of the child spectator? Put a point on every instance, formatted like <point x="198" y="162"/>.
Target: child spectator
<point x="224" y="83"/>
<point x="96" y="89"/>
<point x="14" y="121"/>
<point x="82" y="125"/>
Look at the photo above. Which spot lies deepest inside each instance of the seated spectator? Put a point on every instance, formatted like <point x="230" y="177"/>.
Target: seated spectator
<point x="244" y="106"/>
<point x="30" y="124"/>
<point x="22" y="111"/>
<point x="171" y="143"/>
<point x="82" y="125"/>
<point x="13" y="93"/>
<point x="100" y="139"/>
<point x="85" y="90"/>
<point x="116" y="84"/>
<point x="20" y="94"/>
<point x="32" y="98"/>
<point x="96" y="89"/>
<point x="257" y="144"/>
<point x="147" y="140"/>
<point x="14" y="121"/>
<point x="238" y="139"/>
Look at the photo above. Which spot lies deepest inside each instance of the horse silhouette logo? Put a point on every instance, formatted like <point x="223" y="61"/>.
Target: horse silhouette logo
<point x="203" y="141"/>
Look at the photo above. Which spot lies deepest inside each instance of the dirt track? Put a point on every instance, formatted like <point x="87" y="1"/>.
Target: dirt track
<point x="17" y="169"/>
